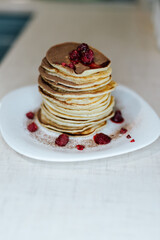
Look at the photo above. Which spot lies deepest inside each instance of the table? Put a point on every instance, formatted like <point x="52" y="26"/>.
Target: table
<point x="113" y="198"/>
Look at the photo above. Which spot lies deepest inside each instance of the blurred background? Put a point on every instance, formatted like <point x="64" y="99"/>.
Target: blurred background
<point x="143" y="2"/>
<point x="13" y="22"/>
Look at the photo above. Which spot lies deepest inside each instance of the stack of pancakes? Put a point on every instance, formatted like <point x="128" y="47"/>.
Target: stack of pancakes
<point x="75" y="101"/>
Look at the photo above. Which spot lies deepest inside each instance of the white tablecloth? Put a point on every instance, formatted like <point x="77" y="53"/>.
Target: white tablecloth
<point x="116" y="198"/>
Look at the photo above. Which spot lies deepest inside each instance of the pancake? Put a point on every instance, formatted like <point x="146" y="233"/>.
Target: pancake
<point x="60" y="53"/>
<point x="74" y="132"/>
<point x="92" y="104"/>
<point x="78" y="83"/>
<point x="79" y="114"/>
<point x="76" y="96"/>
<point x="55" y="72"/>
<point x="66" y="88"/>
<point x="55" y="91"/>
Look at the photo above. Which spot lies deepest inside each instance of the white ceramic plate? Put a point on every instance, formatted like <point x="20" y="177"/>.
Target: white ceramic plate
<point x="141" y="121"/>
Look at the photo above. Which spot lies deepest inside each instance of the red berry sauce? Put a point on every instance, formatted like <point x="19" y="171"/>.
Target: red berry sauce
<point x="80" y="147"/>
<point x="62" y="140"/>
<point x="30" y="115"/>
<point x="93" y="65"/>
<point x="132" y="140"/>
<point x="102" y="139"/>
<point x="32" y="127"/>
<point x="117" y="118"/>
<point x="123" y="130"/>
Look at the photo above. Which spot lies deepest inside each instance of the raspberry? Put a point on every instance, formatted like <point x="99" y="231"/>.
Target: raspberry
<point x="30" y="115"/>
<point x="123" y="130"/>
<point x="80" y="147"/>
<point x="117" y="118"/>
<point x="102" y="138"/>
<point x="62" y="140"/>
<point x="32" y="127"/>
<point x="64" y="64"/>
<point x="71" y="65"/>
<point x="128" y="136"/>
<point x="87" y="57"/>
<point x="82" y="48"/>
<point x="74" y="56"/>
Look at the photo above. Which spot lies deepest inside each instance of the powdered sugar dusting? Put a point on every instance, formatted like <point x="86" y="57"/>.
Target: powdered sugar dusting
<point x="46" y="137"/>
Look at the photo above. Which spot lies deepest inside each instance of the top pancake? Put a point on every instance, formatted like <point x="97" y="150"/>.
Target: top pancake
<point x="76" y="78"/>
<point x="59" y="53"/>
